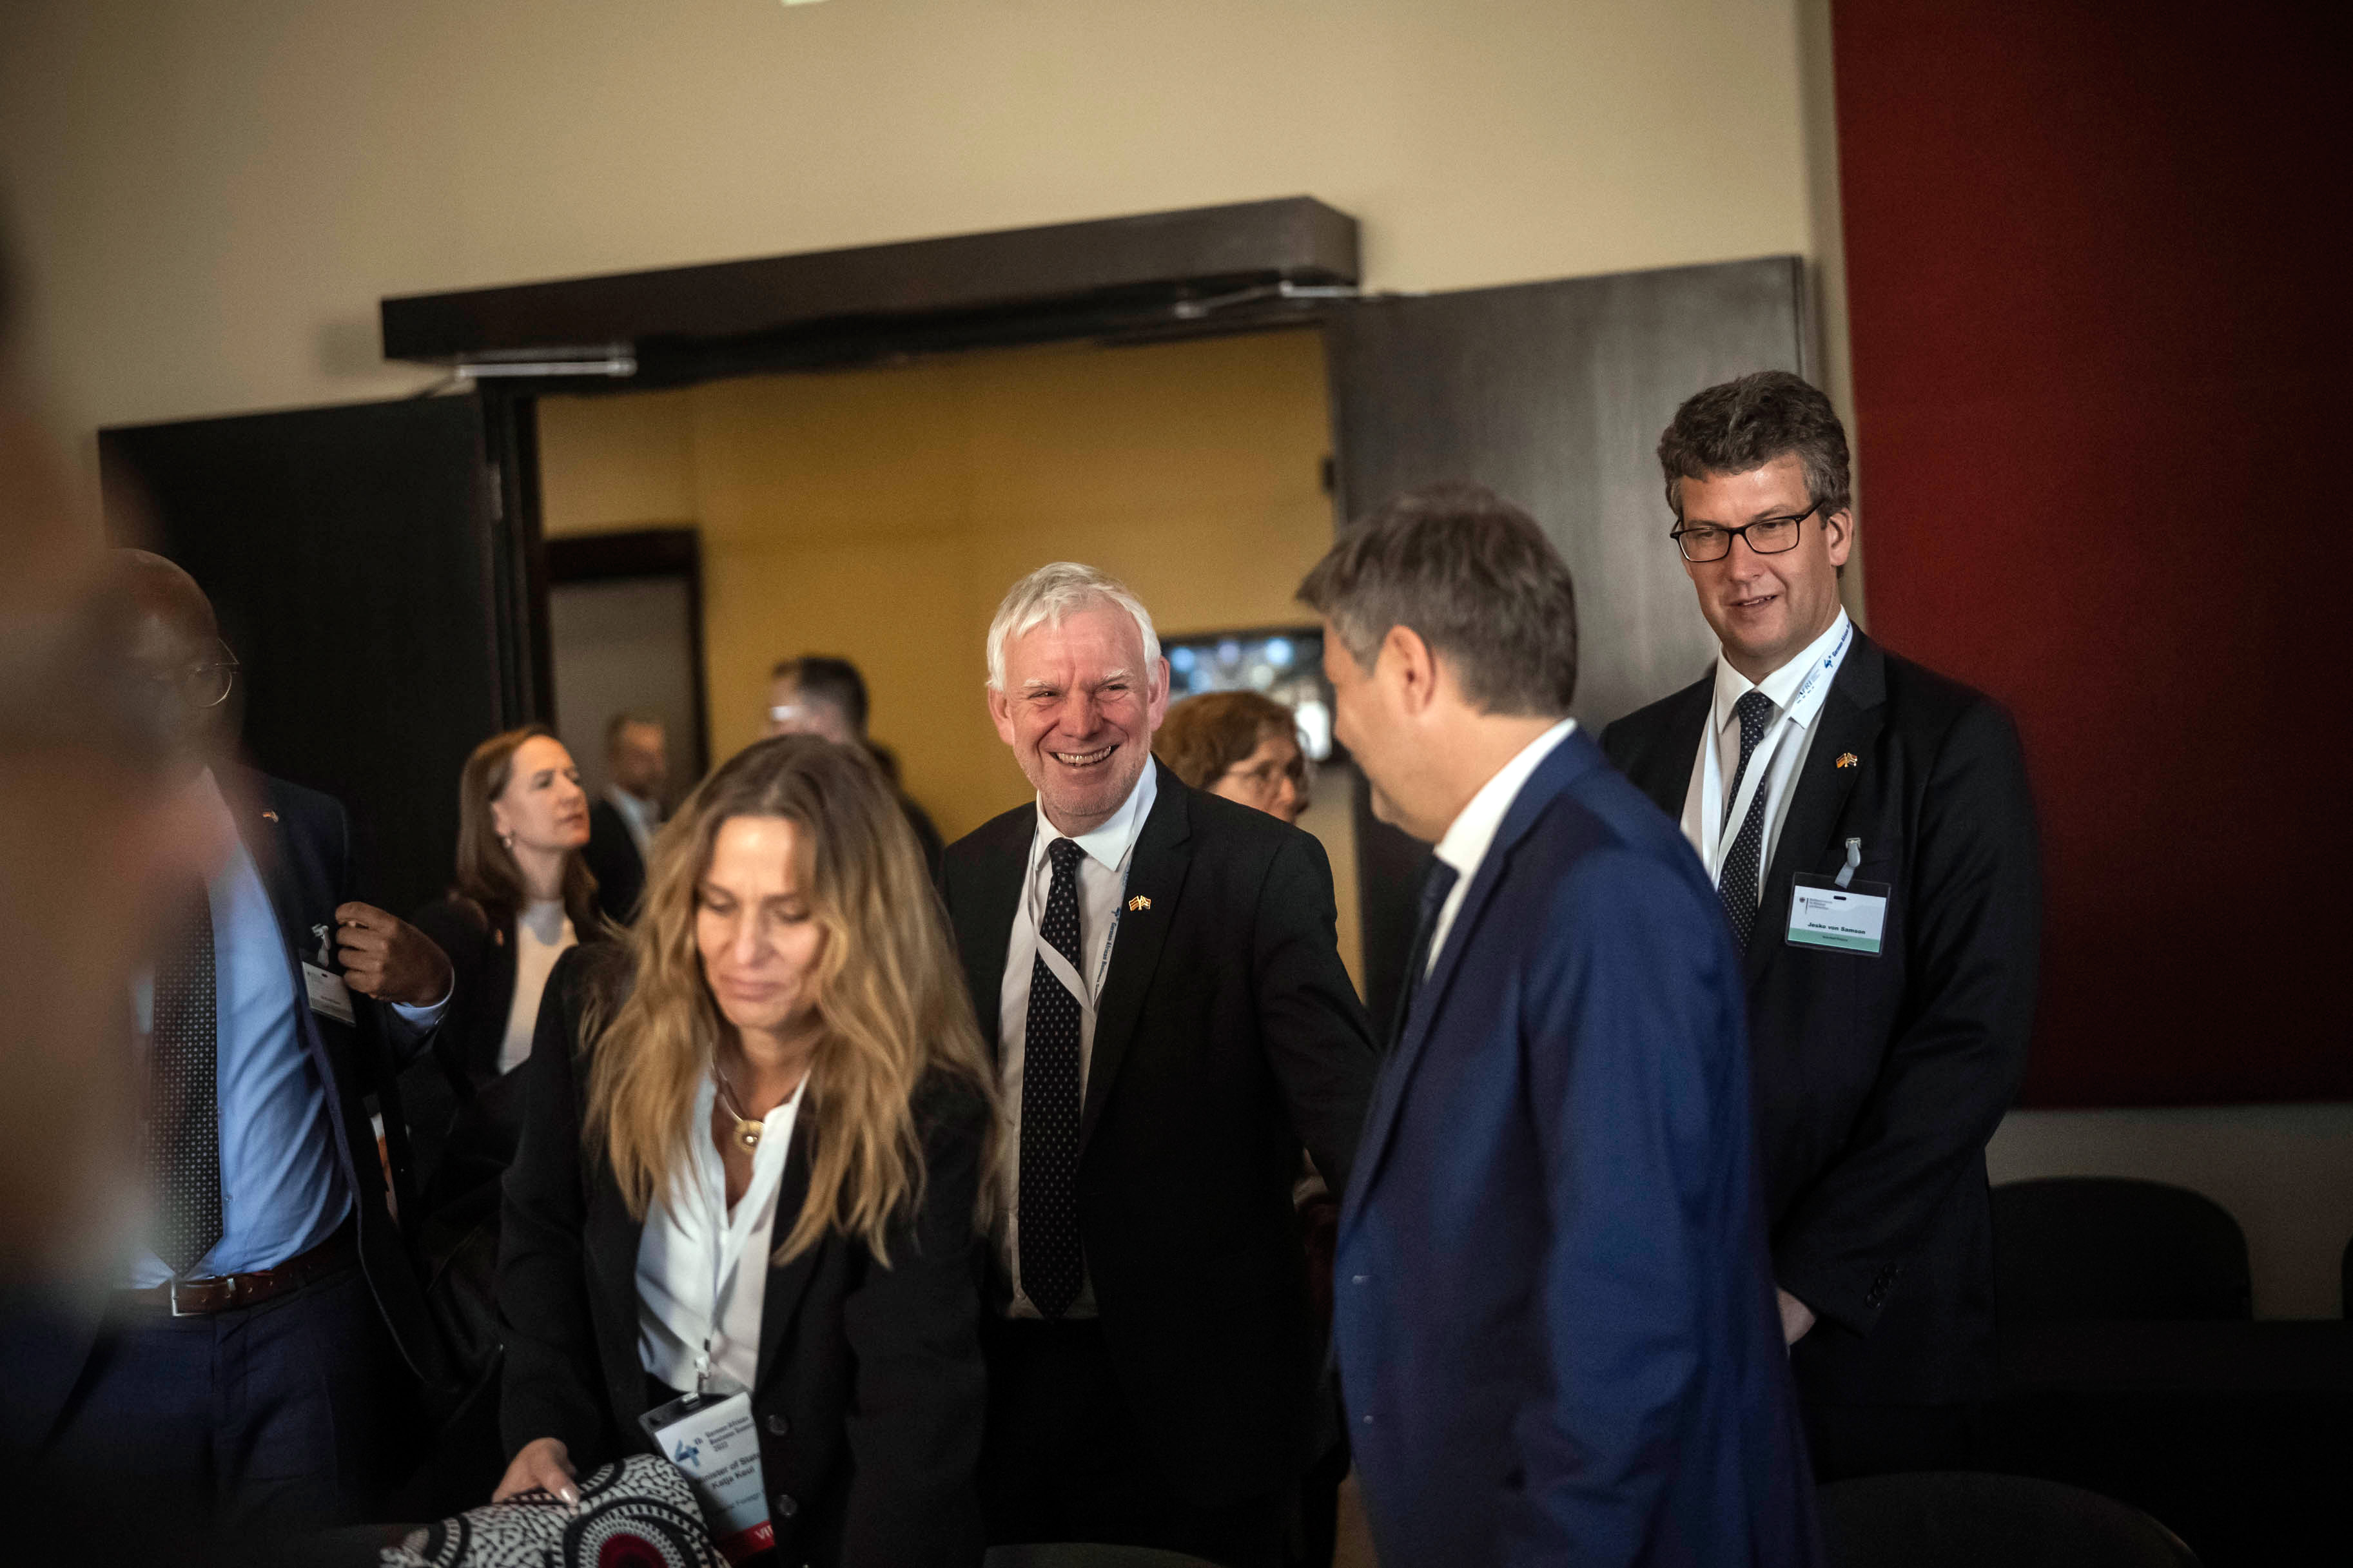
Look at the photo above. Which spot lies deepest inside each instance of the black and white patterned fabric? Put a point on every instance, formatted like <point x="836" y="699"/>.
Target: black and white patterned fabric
<point x="1051" y="1268"/>
<point x="182" y="1146"/>
<point x="639" y="1513"/>
<point x="1737" y="885"/>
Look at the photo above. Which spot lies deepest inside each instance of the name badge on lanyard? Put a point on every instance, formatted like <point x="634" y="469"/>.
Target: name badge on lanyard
<point x="712" y="1439"/>
<point x="1838" y="913"/>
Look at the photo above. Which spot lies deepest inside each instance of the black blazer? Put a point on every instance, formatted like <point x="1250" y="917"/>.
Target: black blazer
<point x="1230" y="1035"/>
<point x="301" y="841"/>
<point x="613" y="858"/>
<point x="869" y="1393"/>
<point x="1879" y="1080"/>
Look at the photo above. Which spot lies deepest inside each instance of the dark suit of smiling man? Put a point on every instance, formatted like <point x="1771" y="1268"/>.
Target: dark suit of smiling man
<point x="1869" y="831"/>
<point x="1156" y="972"/>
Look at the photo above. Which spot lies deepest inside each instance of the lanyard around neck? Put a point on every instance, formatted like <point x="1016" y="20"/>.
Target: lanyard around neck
<point x="1720" y="814"/>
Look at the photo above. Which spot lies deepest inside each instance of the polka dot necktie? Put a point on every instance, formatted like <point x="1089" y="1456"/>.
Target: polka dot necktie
<point x="1737" y="886"/>
<point x="1051" y="1266"/>
<point x="184" y="1114"/>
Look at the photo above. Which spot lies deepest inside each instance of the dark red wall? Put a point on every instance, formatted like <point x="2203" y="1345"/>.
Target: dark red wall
<point x="2097" y="268"/>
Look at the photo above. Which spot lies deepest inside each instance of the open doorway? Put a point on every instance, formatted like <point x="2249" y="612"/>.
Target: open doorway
<point x="879" y="513"/>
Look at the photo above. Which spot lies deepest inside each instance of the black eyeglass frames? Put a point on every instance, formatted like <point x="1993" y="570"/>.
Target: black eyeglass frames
<point x="1705" y="541"/>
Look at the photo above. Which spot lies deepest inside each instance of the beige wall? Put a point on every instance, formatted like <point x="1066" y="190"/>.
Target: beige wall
<point x="882" y="513"/>
<point x="214" y="194"/>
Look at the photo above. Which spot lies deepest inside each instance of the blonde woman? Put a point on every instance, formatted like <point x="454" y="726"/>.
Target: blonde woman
<point x="751" y="1161"/>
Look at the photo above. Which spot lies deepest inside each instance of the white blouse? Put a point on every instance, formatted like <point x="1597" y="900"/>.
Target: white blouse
<point x="702" y="1272"/>
<point x="542" y="930"/>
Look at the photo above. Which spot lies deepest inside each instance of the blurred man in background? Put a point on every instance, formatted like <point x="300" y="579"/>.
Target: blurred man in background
<point x="818" y="694"/>
<point x="622" y="825"/>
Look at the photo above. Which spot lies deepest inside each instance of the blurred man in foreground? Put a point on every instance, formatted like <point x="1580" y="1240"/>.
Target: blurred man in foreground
<point x="1553" y="1322"/>
<point x="260" y="1351"/>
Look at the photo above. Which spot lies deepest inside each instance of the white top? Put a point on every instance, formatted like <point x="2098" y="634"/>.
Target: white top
<point x="1474" y="828"/>
<point x="542" y="930"/>
<point x="641" y="817"/>
<point x="1102" y="887"/>
<point x="702" y="1271"/>
<point x="1796" y="690"/>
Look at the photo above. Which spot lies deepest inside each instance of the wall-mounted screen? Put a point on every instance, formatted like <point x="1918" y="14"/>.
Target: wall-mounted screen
<point x="1285" y="663"/>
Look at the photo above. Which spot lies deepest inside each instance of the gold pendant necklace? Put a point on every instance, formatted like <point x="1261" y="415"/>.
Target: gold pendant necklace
<point x="747" y="1129"/>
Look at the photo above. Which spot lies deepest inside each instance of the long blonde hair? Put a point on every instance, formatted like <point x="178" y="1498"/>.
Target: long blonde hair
<point x="889" y="995"/>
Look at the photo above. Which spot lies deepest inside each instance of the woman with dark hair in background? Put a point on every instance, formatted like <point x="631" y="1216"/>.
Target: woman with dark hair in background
<point x="751" y="1168"/>
<point x="521" y="896"/>
<point x="1240" y="745"/>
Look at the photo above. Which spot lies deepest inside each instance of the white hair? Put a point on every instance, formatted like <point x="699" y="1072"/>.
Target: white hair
<point x="1053" y="592"/>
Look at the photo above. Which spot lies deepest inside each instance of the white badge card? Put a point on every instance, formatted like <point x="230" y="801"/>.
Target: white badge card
<point x="714" y="1439"/>
<point x="329" y="994"/>
<point x="1848" y="919"/>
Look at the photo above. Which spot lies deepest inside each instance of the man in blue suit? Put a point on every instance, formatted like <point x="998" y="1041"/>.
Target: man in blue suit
<point x="1555" y="1320"/>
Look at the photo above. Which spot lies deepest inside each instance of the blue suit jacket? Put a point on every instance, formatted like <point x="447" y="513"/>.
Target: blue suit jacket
<point x="1555" y="1318"/>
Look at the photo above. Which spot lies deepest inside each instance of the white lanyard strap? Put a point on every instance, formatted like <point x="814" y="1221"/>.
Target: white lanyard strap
<point x="1719" y="826"/>
<point x="1058" y="962"/>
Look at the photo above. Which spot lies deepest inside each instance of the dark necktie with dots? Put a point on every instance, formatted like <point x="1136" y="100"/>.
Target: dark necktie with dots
<point x="182" y="1109"/>
<point x="1737" y="886"/>
<point x="1051" y="1266"/>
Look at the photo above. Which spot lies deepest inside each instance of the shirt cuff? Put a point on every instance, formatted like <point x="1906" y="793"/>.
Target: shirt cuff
<point x="413" y="1021"/>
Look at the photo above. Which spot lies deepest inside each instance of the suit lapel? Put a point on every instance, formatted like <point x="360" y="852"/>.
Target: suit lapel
<point x="1163" y="853"/>
<point x="1568" y="761"/>
<point x="984" y="930"/>
<point x="788" y="1282"/>
<point x="1853" y="713"/>
<point x="1663" y="772"/>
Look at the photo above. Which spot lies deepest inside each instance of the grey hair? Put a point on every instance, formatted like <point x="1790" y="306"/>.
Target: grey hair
<point x="1053" y="592"/>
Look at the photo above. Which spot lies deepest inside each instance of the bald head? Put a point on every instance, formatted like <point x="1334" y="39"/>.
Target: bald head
<point x="174" y="643"/>
<point x="165" y="598"/>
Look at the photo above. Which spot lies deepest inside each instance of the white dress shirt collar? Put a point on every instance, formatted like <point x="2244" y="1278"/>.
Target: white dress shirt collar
<point x="1473" y="832"/>
<point x="1108" y="844"/>
<point x="1780" y="688"/>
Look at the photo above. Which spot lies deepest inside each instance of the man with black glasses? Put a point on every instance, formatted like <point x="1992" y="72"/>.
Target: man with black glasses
<point x="1868" y="826"/>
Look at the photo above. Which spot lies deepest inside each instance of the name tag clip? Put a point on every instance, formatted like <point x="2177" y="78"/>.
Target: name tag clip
<point x="1854" y="861"/>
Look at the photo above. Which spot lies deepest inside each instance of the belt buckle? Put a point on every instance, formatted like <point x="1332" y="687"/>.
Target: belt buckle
<point x="228" y="1283"/>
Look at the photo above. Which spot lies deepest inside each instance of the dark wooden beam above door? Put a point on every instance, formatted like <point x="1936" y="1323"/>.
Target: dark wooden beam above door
<point x="1063" y="280"/>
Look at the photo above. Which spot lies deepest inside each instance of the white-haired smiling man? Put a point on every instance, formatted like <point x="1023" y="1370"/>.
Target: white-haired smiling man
<point x="1157" y="973"/>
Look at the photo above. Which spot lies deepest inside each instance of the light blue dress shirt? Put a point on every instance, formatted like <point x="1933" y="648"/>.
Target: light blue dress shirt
<point x="282" y="1187"/>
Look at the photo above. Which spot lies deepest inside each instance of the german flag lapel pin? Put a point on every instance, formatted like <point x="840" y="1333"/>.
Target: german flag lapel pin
<point x="1849" y="760"/>
<point x="1138" y="902"/>
<point x="268" y="816"/>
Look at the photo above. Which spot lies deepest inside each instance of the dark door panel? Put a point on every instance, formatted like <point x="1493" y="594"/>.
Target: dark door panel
<point x="358" y="563"/>
<point x="1553" y="394"/>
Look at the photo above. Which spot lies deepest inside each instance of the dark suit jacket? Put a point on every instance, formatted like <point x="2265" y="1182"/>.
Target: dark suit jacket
<point x="1228" y="1036"/>
<point x="1879" y="1080"/>
<point x="869" y="1393"/>
<point x="1554" y="1321"/>
<point x="301" y="841"/>
<point x="613" y="858"/>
